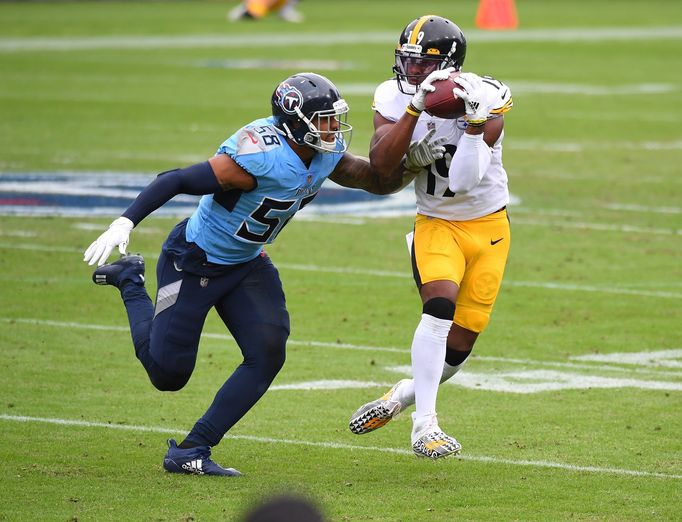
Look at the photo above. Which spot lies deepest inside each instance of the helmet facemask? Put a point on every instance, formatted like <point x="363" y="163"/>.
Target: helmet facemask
<point x="312" y="129"/>
<point x="410" y="58"/>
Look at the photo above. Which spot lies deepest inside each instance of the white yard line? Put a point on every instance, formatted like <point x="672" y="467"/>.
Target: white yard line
<point x="362" y="348"/>
<point x="572" y="35"/>
<point x="350" y="447"/>
<point x="406" y="275"/>
<point x="603" y="227"/>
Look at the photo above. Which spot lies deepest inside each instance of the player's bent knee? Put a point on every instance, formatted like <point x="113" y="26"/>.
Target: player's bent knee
<point x="268" y="354"/>
<point x="440" y="308"/>
<point x="166" y="382"/>
<point x="275" y="349"/>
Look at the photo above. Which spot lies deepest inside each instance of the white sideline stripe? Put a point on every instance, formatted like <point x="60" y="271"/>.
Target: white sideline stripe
<point x="588" y="288"/>
<point x="330" y="385"/>
<point x="573" y="35"/>
<point x="642" y="208"/>
<point x="336" y="445"/>
<point x="604" y="227"/>
<point x="356" y="347"/>
<point x="407" y="275"/>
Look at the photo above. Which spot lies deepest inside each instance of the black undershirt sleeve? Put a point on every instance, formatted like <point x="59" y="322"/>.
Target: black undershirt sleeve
<point x="196" y="180"/>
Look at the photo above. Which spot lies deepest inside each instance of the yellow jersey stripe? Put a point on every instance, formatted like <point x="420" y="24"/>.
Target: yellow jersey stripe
<point x="506" y="107"/>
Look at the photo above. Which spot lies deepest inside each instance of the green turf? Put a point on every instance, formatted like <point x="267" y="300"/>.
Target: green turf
<point x="600" y="219"/>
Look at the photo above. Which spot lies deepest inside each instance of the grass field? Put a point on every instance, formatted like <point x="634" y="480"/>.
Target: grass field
<point x="570" y="408"/>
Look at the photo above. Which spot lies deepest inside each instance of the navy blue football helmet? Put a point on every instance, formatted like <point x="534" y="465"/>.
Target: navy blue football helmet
<point x="428" y="43"/>
<point x="302" y="105"/>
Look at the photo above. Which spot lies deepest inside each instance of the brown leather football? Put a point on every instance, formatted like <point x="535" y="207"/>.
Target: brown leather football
<point x="442" y="103"/>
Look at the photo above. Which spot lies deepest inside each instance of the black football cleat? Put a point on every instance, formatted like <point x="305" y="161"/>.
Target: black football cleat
<point x="194" y="461"/>
<point x="130" y="268"/>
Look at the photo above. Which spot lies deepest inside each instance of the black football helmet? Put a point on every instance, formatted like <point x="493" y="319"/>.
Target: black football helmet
<point x="299" y="105"/>
<point x="427" y="44"/>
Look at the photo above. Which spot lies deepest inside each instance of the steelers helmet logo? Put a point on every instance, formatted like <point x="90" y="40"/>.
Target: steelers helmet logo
<point x="289" y="98"/>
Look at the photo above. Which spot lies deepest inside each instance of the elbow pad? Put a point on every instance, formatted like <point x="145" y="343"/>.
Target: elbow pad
<point x="196" y="180"/>
<point x="469" y="164"/>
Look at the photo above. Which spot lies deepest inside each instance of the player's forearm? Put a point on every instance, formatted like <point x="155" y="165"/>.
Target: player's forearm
<point x="387" y="151"/>
<point x="469" y="163"/>
<point x="357" y="172"/>
<point x="196" y="180"/>
<point x="399" y="179"/>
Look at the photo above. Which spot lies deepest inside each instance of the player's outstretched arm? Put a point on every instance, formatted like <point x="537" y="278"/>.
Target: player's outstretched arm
<point x="356" y="172"/>
<point x="215" y="175"/>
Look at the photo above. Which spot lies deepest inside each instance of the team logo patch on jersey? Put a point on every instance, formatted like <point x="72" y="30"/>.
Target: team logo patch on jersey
<point x="289" y="98"/>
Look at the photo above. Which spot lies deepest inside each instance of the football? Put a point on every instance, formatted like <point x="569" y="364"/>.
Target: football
<point x="441" y="102"/>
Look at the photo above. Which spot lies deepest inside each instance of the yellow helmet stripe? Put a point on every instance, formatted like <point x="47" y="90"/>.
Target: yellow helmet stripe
<point x="418" y="28"/>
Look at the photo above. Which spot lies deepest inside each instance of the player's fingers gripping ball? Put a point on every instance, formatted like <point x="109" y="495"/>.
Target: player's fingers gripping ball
<point x="470" y="89"/>
<point x="443" y="101"/>
<point x="427" y="86"/>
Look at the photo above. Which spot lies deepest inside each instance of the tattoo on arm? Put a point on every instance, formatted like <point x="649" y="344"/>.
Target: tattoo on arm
<point x="356" y="172"/>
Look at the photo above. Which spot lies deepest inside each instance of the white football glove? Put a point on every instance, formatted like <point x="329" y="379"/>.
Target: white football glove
<point x="117" y="235"/>
<point x="424" y="152"/>
<point x="426" y="87"/>
<point x="474" y="95"/>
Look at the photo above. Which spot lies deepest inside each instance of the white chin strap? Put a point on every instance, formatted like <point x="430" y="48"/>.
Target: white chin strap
<point x="314" y="140"/>
<point x="408" y="88"/>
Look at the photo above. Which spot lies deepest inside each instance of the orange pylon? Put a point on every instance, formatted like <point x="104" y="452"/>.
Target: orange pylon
<point x="497" y="14"/>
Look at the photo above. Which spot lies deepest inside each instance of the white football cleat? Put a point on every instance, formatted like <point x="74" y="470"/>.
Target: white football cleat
<point x="375" y="414"/>
<point x="288" y="13"/>
<point x="237" y="13"/>
<point x="429" y="441"/>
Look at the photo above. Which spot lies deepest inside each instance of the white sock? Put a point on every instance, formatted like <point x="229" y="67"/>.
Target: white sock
<point x="405" y="392"/>
<point x="428" y="354"/>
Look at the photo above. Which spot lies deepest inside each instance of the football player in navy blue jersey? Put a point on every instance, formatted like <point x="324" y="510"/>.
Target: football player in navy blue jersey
<point x="258" y="179"/>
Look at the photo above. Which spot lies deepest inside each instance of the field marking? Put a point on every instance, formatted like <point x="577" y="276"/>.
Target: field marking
<point x="658" y="358"/>
<point x="329" y="385"/>
<point x="641" y="208"/>
<point x="366" y="348"/>
<point x="351" y="447"/>
<point x="572" y="35"/>
<point x="404" y="275"/>
<point x="538" y="381"/>
<point x="603" y="227"/>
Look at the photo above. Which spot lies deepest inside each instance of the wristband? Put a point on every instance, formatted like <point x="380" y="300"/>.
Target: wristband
<point x="413" y="111"/>
<point x="476" y="123"/>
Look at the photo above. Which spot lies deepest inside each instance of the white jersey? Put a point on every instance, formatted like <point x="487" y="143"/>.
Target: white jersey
<point x="434" y="198"/>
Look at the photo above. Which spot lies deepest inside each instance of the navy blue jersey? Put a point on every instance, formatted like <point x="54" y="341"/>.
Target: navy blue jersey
<point x="232" y="227"/>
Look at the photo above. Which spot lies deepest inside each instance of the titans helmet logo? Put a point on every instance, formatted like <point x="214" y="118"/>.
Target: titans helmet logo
<point x="289" y="98"/>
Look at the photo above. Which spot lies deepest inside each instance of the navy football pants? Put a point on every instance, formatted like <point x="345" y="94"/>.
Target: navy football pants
<point x="250" y="301"/>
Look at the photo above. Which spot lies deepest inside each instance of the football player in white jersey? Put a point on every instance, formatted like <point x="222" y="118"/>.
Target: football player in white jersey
<point x="461" y="236"/>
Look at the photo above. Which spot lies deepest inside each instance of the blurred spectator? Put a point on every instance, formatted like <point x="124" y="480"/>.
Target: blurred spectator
<point x="284" y="508"/>
<point x="256" y="9"/>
